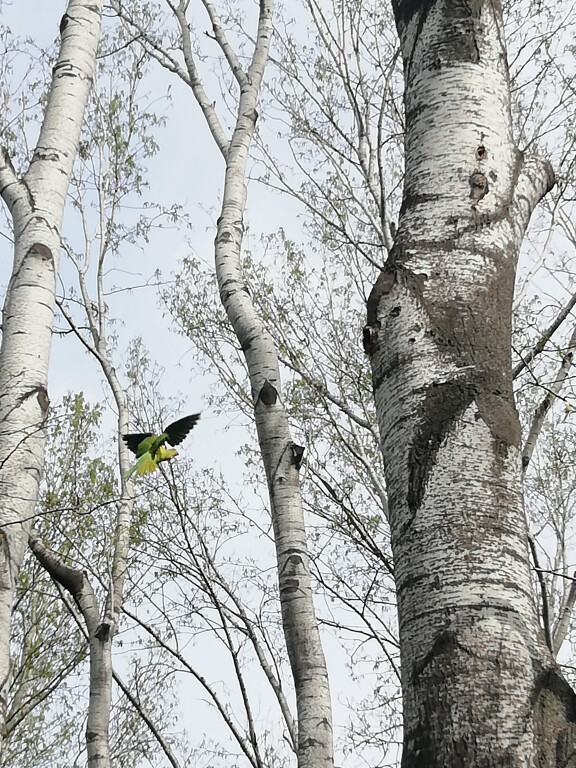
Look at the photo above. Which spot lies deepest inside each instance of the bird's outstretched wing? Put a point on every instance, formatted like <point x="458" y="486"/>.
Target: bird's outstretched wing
<point x="177" y="431"/>
<point x="134" y="440"/>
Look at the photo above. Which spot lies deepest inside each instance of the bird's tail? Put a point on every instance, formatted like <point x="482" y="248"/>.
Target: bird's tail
<point x="144" y="465"/>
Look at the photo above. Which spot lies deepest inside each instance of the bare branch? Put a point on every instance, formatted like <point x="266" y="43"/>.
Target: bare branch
<point x="195" y="83"/>
<point x="240" y="739"/>
<point x="543" y="594"/>
<point x="13" y="190"/>
<point x="222" y="40"/>
<point x="563" y="623"/>
<point x="552" y="393"/>
<point x="545" y="337"/>
<point x="143" y="714"/>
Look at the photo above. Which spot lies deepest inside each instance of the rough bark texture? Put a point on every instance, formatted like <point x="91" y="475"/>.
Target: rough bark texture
<point x="281" y="457"/>
<point x="36" y="202"/>
<point x="479" y="685"/>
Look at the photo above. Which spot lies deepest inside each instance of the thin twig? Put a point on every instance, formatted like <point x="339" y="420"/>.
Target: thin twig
<point x="544" y="594"/>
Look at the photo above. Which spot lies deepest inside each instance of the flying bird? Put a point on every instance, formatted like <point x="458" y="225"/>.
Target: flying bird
<point x="150" y="448"/>
<point x="148" y="463"/>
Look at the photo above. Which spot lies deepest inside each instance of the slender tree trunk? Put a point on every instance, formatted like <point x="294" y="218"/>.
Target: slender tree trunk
<point x="480" y="687"/>
<point x="281" y="457"/>
<point x="36" y="202"/>
<point x="99" y="639"/>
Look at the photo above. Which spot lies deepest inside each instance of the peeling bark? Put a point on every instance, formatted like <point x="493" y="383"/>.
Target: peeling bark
<point x="480" y="686"/>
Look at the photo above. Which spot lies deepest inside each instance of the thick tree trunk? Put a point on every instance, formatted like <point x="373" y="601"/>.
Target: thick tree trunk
<point x="479" y="685"/>
<point x="36" y="202"/>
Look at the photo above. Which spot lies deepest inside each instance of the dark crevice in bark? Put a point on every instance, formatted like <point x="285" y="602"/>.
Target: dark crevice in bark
<point x="456" y="42"/>
<point x="554" y="706"/>
<point x="443" y="404"/>
<point x="392" y="273"/>
<point x="403" y="11"/>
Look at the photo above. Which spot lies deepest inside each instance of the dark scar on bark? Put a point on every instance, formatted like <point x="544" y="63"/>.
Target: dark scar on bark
<point x="443" y="404"/>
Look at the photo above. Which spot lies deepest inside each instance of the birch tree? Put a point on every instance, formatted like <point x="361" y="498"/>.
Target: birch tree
<point x="36" y="199"/>
<point x="479" y="684"/>
<point x="344" y="136"/>
<point x="114" y="147"/>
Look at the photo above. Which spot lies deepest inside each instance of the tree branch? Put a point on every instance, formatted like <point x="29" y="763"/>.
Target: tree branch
<point x="222" y="40"/>
<point x="543" y="593"/>
<point x="534" y="180"/>
<point x="12" y="189"/>
<point x="72" y="579"/>
<point x="545" y="337"/>
<point x="564" y="620"/>
<point x="544" y="407"/>
<point x="195" y="83"/>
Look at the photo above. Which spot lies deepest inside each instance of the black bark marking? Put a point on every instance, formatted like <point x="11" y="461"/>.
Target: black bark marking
<point x="7" y="159"/>
<point x="443" y="404"/>
<point x="30" y="196"/>
<point x="292" y="564"/>
<point x="290" y="586"/>
<point x="460" y="18"/>
<point x="370" y="337"/>
<point x="45" y="153"/>
<point x="268" y="394"/>
<point x="454" y="41"/>
<point x="41" y="397"/>
<point x="383" y="285"/>
<point x="43" y="400"/>
<point x="405" y="9"/>
<point x="41" y="250"/>
<point x="437" y="740"/>
<point x="297" y="454"/>
<point x="445" y="643"/>
<point x="465" y="332"/>
<point x="64" y="69"/>
<point x="102" y="632"/>
<point x="64" y="21"/>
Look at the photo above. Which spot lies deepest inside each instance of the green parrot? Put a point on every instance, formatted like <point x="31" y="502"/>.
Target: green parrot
<point x="150" y="449"/>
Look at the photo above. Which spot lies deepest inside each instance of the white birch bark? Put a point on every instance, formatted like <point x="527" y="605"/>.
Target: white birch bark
<point x="480" y="688"/>
<point x="36" y="202"/>
<point x="280" y="456"/>
<point x="78" y="584"/>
